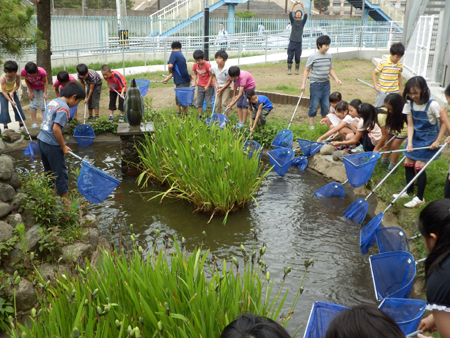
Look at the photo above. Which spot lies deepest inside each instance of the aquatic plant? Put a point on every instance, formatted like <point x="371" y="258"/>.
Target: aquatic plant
<point x="166" y="293"/>
<point x="202" y="164"/>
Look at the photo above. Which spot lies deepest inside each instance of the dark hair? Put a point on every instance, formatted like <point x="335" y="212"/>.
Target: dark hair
<point x="176" y="45"/>
<point x="221" y="54"/>
<point x="396" y="120"/>
<point x="62" y="76"/>
<point x="250" y="93"/>
<point x="355" y="103"/>
<point x="298" y="11"/>
<point x="82" y="69"/>
<point x="220" y="23"/>
<point x="199" y="54"/>
<point x="369" y="114"/>
<point x="73" y="88"/>
<point x="397" y="49"/>
<point x="447" y="91"/>
<point x="342" y="106"/>
<point x="234" y="71"/>
<point x="323" y="40"/>
<point x="10" y="66"/>
<point x="419" y="83"/>
<point x="31" y="68"/>
<point x="363" y="321"/>
<point x="435" y="219"/>
<point x="335" y="97"/>
<point x="249" y="325"/>
<point x="105" y="68"/>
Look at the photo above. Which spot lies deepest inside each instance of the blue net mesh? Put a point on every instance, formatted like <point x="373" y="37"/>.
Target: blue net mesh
<point x="406" y="312"/>
<point x="391" y="239"/>
<point x="252" y="147"/>
<point x="392" y="274"/>
<point x="73" y="110"/>
<point x="357" y="211"/>
<point x="281" y="160"/>
<point x="185" y="95"/>
<point x="300" y="162"/>
<point x="217" y="119"/>
<point x="283" y="139"/>
<point x="31" y="150"/>
<point x="309" y="148"/>
<point x="359" y="167"/>
<point x="367" y="235"/>
<point x="333" y="189"/>
<point x="322" y="314"/>
<point x="94" y="184"/>
<point x="143" y="86"/>
<point x="84" y="134"/>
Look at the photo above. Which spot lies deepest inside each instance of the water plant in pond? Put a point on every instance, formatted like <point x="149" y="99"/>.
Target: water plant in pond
<point x="202" y="164"/>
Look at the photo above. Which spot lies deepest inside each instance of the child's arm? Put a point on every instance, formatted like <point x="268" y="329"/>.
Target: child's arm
<point x="195" y="79"/>
<point x="224" y="87"/>
<point x="57" y="91"/>
<point x="30" y="91"/>
<point x="16" y="88"/>
<point x="91" y="90"/>
<point x="5" y="94"/>
<point x="400" y="85"/>
<point x="445" y="125"/>
<point x="123" y="90"/>
<point x="305" y="76"/>
<point x="236" y="98"/>
<point x="410" y="131"/>
<point x="209" y="82"/>
<point x="354" y="140"/>
<point x="45" y="88"/>
<point x="330" y="132"/>
<point x="168" y="77"/>
<point x="384" y="137"/>
<point x="374" y="80"/>
<point x="258" y="114"/>
<point x="59" y="137"/>
<point x="333" y="75"/>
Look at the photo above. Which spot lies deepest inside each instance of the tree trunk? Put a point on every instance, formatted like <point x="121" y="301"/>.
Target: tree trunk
<point x="43" y="10"/>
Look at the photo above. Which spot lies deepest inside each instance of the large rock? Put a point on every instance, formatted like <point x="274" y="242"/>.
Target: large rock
<point x="25" y="295"/>
<point x="34" y="235"/>
<point x="34" y="132"/>
<point x="327" y="149"/>
<point x="7" y="161"/>
<point x="14" y="219"/>
<point x="97" y="256"/>
<point x="2" y="146"/>
<point x="5" y="172"/>
<point x="92" y="234"/>
<point x="91" y="221"/>
<point x="338" y="155"/>
<point x="11" y="136"/>
<point x="5" y="231"/>
<point x="13" y="181"/>
<point x="7" y="192"/>
<point x="5" y="209"/>
<point x="49" y="271"/>
<point x="76" y="253"/>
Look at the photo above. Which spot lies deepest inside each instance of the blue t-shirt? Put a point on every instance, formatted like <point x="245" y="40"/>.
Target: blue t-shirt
<point x="179" y="71"/>
<point x="265" y="101"/>
<point x="57" y="111"/>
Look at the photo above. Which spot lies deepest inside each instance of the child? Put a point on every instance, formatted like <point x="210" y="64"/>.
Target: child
<point x="10" y="83"/>
<point x="331" y="119"/>
<point x="295" y="39"/>
<point x="390" y="74"/>
<point x="343" y="128"/>
<point x="220" y="77"/>
<point x="261" y="108"/>
<point x="423" y="115"/>
<point x="36" y="81"/>
<point x="244" y="81"/>
<point x="434" y="226"/>
<point x="50" y="139"/>
<point x="178" y="70"/>
<point x="117" y="87"/>
<point x="63" y="78"/>
<point x="202" y="72"/>
<point x="352" y="110"/>
<point x="248" y="325"/>
<point x="93" y="80"/>
<point x="368" y="131"/>
<point x="320" y="66"/>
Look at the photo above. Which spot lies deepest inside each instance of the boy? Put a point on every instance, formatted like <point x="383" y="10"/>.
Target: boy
<point x="117" y="87"/>
<point x="220" y="76"/>
<point x="50" y="139"/>
<point x="93" y="80"/>
<point x="202" y="72"/>
<point x="390" y="75"/>
<point x="261" y="108"/>
<point x="321" y="67"/>
<point x="244" y="81"/>
<point x="178" y="70"/>
<point x="10" y="83"/>
<point x="36" y="81"/>
<point x="63" y="78"/>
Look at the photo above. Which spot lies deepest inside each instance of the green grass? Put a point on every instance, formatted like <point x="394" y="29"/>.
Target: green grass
<point x="289" y="89"/>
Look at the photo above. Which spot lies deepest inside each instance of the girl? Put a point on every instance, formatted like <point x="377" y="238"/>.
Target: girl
<point x="331" y="119"/>
<point x="344" y="126"/>
<point x="10" y="83"/>
<point x="423" y="131"/>
<point x="368" y="132"/>
<point x="434" y="225"/>
<point x="248" y="325"/>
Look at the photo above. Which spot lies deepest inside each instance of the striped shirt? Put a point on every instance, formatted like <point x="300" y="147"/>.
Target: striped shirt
<point x="320" y="65"/>
<point x="389" y="74"/>
<point x="93" y="78"/>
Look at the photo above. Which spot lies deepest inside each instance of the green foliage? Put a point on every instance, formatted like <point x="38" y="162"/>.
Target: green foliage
<point x="50" y="243"/>
<point x="245" y="15"/>
<point x="91" y="4"/>
<point x="202" y="164"/>
<point x="6" y="310"/>
<point x="100" y="126"/>
<point x="72" y="69"/>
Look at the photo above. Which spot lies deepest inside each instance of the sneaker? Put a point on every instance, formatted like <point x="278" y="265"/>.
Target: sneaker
<point x="21" y="128"/>
<point x="90" y="118"/>
<point x="415" y="202"/>
<point x="311" y="128"/>
<point x="240" y="125"/>
<point x="404" y="195"/>
<point x="358" y="149"/>
<point x="111" y="117"/>
<point x="121" y="119"/>
<point x="96" y="118"/>
<point x="34" y="125"/>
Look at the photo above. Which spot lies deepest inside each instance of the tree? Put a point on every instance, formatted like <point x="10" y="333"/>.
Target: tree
<point x="92" y="4"/>
<point x="321" y="5"/>
<point x="43" y="57"/>
<point x="245" y="15"/>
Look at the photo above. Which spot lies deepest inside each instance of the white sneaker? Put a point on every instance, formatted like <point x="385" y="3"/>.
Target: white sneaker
<point x="358" y="149"/>
<point x="34" y="125"/>
<point x="404" y="195"/>
<point x="415" y="202"/>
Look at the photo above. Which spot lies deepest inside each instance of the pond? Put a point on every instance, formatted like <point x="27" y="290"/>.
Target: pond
<point x="294" y="224"/>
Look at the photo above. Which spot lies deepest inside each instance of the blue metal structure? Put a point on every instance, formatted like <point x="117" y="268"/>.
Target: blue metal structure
<point x="372" y="10"/>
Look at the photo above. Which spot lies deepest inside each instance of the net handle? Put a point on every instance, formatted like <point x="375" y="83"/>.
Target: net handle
<point x="367" y="84"/>
<point x="18" y="113"/>
<point x="413" y="334"/>
<point x="298" y="102"/>
<point x="401" y="150"/>
<point x="76" y="156"/>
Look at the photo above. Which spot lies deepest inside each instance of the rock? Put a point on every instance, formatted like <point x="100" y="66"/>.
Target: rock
<point x="92" y="234"/>
<point x="34" y="132"/>
<point x="11" y="136"/>
<point x="15" y="256"/>
<point x="327" y="149"/>
<point x="76" y="253"/>
<point x="103" y="244"/>
<point x="8" y="161"/>
<point x="2" y="146"/>
<point x="5" y="209"/>
<point x="34" y="235"/>
<point x="14" y="219"/>
<point x="25" y="295"/>
<point x="338" y="155"/>
<point x="18" y="202"/>
<point x="5" y="231"/>
<point x="91" y="221"/>
<point x="7" y="192"/>
<point x="49" y="271"/>
<point x="13" y="181"/>
<point x="5" y="172"/>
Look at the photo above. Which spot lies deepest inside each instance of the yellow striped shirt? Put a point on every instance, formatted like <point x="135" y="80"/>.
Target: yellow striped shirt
<point x="389" y="74"/>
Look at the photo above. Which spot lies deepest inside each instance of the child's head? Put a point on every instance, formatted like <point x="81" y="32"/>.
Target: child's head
<point x="335" y="98"/>
<point x="353" y="106"/>
<point x="221" y="57"/>
<point x="249" y="325"/>
<point x="176" y="45"/>
<point x="199" y="57"/>
<point x="73" y="93"/>
<point x="298" y="15"/>
<point x="416" y="89"/>
<point x="342" y="109"/>
<point x="252" y="97"/>
<point x="10" y="67"/>
<point x="82" y="70"/>
<point x="395" y="119"/>
<point x="447" y="94"/>
<point x="397" y="51"/>
<point x="106" y="72"/>
<point x="234" y="72"/>
<point x="221" y="25"/>
<point x="369" y="114"/>
<point x="62" y="77"/>
<point x="323" y="43"/>
<point x="363" y="321"/>
<point x="31" y="68"/>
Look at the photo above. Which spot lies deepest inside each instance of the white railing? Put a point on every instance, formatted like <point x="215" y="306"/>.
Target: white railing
<point x="391" y="11"/>
<point x="169" y="9"/>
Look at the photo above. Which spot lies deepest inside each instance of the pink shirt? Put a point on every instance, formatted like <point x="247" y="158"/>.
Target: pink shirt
<point x="245" y="80"/>
<point x="203" y="73"/>
<point x="37" y="81"/>
<point x="374" y="135"/>
<point x="56" y="84"/>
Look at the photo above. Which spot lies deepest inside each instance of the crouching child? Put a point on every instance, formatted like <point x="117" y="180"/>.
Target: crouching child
<point x="261" y="107"/>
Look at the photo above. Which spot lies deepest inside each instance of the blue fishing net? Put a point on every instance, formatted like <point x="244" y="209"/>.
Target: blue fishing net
<point x="84" y="134"/>
<point x="367" y="235"/>
<point x="406" y="312"/>
<point x="94" y="184"/>
<point x="281" y="160"/>
<point x="300" y="162"/>
<point x="322" y="314"/>
<point x="309" y="148"/>
<point x="357" y="211"/>
<point x="392" y="274"/>
<point x="73" y="110"/>
<point x="217" y="119"/>
<point x="359" y="167"/>
<point x="391" y="239"/>
<point x="333" y="189"/>
<point x="283" y="139"/>
<point x="143" y="86"/>
<point x="31" y="150"/>
<point x="252" y="147"/>
<point x="185" y="95"/>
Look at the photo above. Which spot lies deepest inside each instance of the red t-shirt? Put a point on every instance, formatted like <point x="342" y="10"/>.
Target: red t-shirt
<point x="203" y="73"/>
<point x="117" y="81"/>
<point x="56" y="84"/>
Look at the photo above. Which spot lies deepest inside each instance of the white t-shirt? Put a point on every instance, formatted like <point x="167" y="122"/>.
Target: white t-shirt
<point x="433" y="110"/>
<point x="374" y="135"/>
<point x="348" y="119"/>
<point x="221" y="75"/>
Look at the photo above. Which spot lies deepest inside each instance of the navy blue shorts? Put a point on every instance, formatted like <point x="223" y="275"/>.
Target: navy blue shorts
<point x="55" y="166"/>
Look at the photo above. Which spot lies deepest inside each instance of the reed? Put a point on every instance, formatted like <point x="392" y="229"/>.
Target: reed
<point x="201" y="164"/>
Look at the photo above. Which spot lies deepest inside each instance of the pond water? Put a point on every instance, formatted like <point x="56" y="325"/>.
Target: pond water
<point x="294" y="224"/>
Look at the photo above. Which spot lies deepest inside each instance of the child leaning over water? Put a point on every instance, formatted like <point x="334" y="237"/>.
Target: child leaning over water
<point x="36" y="81"/>
<point x="343" y="128"/>
<point x="10" y="83"/>
<point x="117" y="88"/>
<point x="261" y="108"/>
<point x="331" y="119"/>
<point x="203" y="81"/>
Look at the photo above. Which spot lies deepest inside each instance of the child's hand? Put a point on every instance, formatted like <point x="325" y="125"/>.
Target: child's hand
<point x="31" y="95"/>
<point x="409" y="148"/>
<point x="377" y="89"/>
<point x="435" y="145"/>
<point x="447" y="140"/>
<point x="323" y="121"/>
<point x="251" y="130"/>
<point x="86" y="101"/>
<point x="66" y="149"/>
<point x="339" y="82"/>
<point x="303" y="89"/>
<point x="336" y="143"/>
<point x="14" y="104"/>
<point x="427" y="324"/>
<point x="319" y="139"/>
<point x="206" y="88"/>
<point x="165" y="80"/>
<point x="44" y="95"/>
